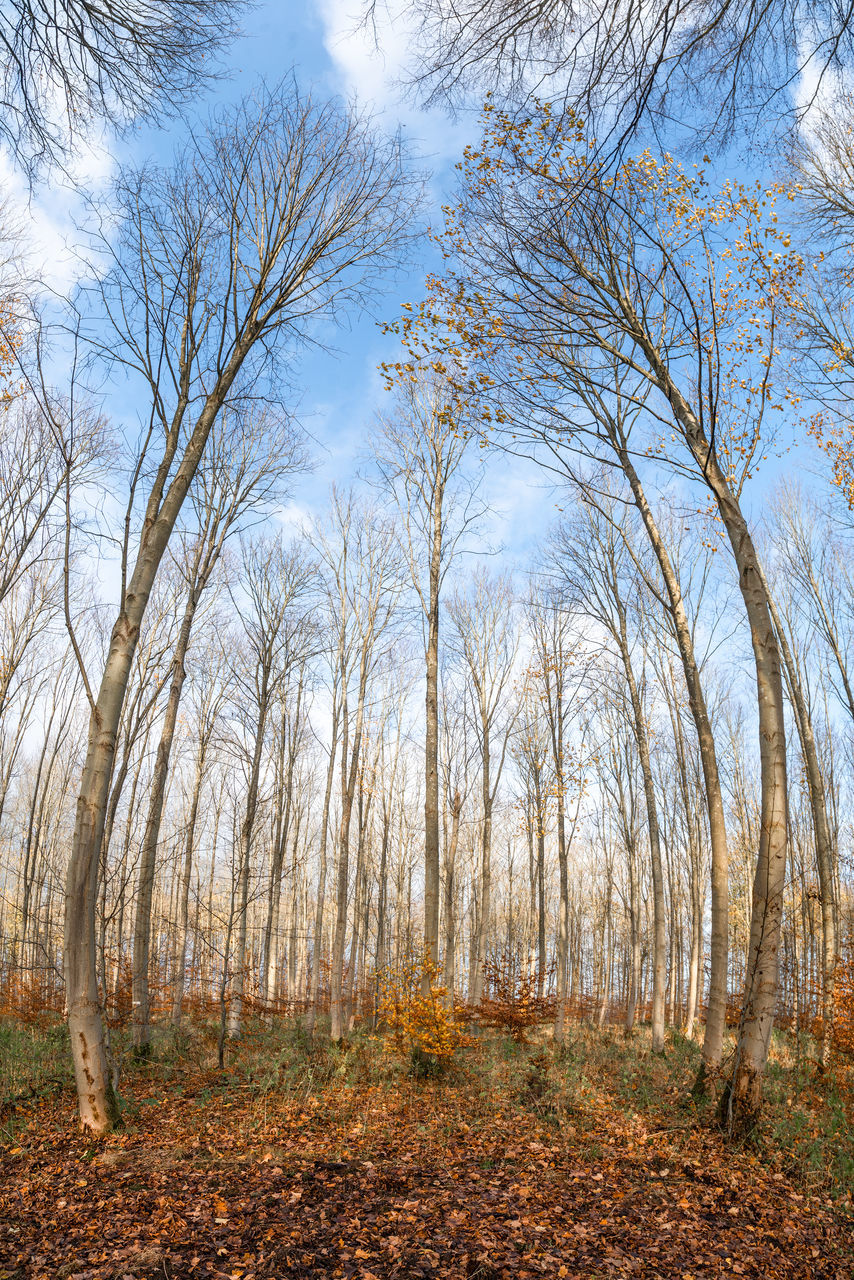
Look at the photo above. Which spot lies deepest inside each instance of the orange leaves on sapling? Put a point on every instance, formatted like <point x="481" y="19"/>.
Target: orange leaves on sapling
<point x="414" y="1011"/>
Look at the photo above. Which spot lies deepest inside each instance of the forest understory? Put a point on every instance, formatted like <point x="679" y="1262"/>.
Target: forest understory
<point x="305" y="1159"/>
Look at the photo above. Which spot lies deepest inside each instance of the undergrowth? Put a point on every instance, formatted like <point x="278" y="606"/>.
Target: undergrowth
<point x="807" y="1129"/>
<point x="33" y="1056"/>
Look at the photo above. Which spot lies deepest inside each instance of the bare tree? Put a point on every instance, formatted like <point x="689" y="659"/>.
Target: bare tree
<point x="590" y="556"/>
<point x="290" y="735"/>
<point x="281" y="212"/>
<point x="625" y="64"/>
<point x="455" y="764"/>
<point x="617" y="766"/>
<point x="33" y="475"/>
<point x="337" y="671"/>
<point x="420" y="455"/>
<point x="487" y="643"/>
<point x="275" y="584"/>
<point x="532" y="755"/>
<point x="210" y="689"/>
<point x="245" y="470"/>
<point x="74" y="63"/>
<point x="559" y="670"/>
<point x="614" y="272"/>
<point x="363" y="587"/>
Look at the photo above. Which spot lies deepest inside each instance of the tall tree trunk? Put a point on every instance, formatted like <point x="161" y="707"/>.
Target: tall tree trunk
<point x="179" y="962"/>
<point x="742" y="1100"/>
<point x="716" y="1012"/>
<point x="317" y="944"/>
<point x="824" y="847"/>
<point x="96" y="1097"/>
<point x="695" y="896"/>
<point x="562" y="958"/>
<point x="432" y="887"/>
<point x="380" y="955"/>
<point x="141" y="1016"/>
<point x="760" y="995"/>
<point x="241" y="958"/>
<point x="485" y="869"/>
<point x="361" y="888"/>
<point x="696" y="938"/>
<point x="634" y="939"/>
<point x="659" y="939"/>
<point x="283" y="824"/>
<point x="348" y="788"/>
<point x="450" y="900"/>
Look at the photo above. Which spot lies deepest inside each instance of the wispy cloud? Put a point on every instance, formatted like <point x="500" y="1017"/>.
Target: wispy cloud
<point x="49" y="222"/>
<point x="370" y="60"/>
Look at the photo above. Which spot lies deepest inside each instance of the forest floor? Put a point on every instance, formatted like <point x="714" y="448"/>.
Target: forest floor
<point x="303" y="1160"/>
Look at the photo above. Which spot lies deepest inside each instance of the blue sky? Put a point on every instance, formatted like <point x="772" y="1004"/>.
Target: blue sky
<point x="341" y="392"/>
<point x="331" y="54"/>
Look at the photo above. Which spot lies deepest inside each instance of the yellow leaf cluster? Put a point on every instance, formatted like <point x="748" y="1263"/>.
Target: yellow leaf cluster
<point x="414" y="1011"/>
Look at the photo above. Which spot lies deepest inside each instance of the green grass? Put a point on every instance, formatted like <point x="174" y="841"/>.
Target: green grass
<point x="32" y="1057"/>
<point x="35" y="1060"/>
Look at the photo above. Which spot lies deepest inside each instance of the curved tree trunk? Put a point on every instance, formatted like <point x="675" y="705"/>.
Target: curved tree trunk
<point x="742" y="1100"/>
<point x="716" y="1012"/>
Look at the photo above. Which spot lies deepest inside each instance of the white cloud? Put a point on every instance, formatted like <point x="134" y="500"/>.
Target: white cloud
<point x="371" y="62"/>
<point x="295" y="518"/>
<point x="49" y="222"/>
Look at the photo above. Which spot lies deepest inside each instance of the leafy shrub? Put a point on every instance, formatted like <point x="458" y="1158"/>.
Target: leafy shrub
<point x="510" y="1002"/>
<point x="416" y="1018"/>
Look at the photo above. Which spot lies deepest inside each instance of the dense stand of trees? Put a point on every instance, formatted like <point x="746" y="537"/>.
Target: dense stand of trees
<point x="574" y="824"/>
<point x="272" y="768"/>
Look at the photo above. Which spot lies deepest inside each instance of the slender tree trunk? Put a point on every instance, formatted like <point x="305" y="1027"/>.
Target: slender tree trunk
<point x="283" y="824"/>
<point x="562" y="958"/>
<point x="321" y="879"/>
<point x="380" y="955"/>
<point x="716" y="1011"/>
<point x="348" y="788"/>
<point x="31" y="845"/>
<point x="241" y="961"/>
<point x="485" y="870"/>
<point x="824" y="848"/>
<point x="179" y="963"/>
<point x="659" y="939"/>
<point x="742" y="1100"/>
<point x="432" y="886"/>
<point x="141" y="1018"/>
<point x="634" y="939"/>
<point x="541" y="896"/>
<point x="223" y="983"/>
<point x="450" y="900"/>
<point x="347" y="1015"/>
<point x="696" y="896"/>
<point x="696" y="939"/>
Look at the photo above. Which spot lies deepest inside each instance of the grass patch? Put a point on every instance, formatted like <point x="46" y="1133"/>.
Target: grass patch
<point x="33" y="1056"/>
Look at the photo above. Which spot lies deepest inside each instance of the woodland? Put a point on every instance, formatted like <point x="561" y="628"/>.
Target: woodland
<point x="378" y="899"/>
